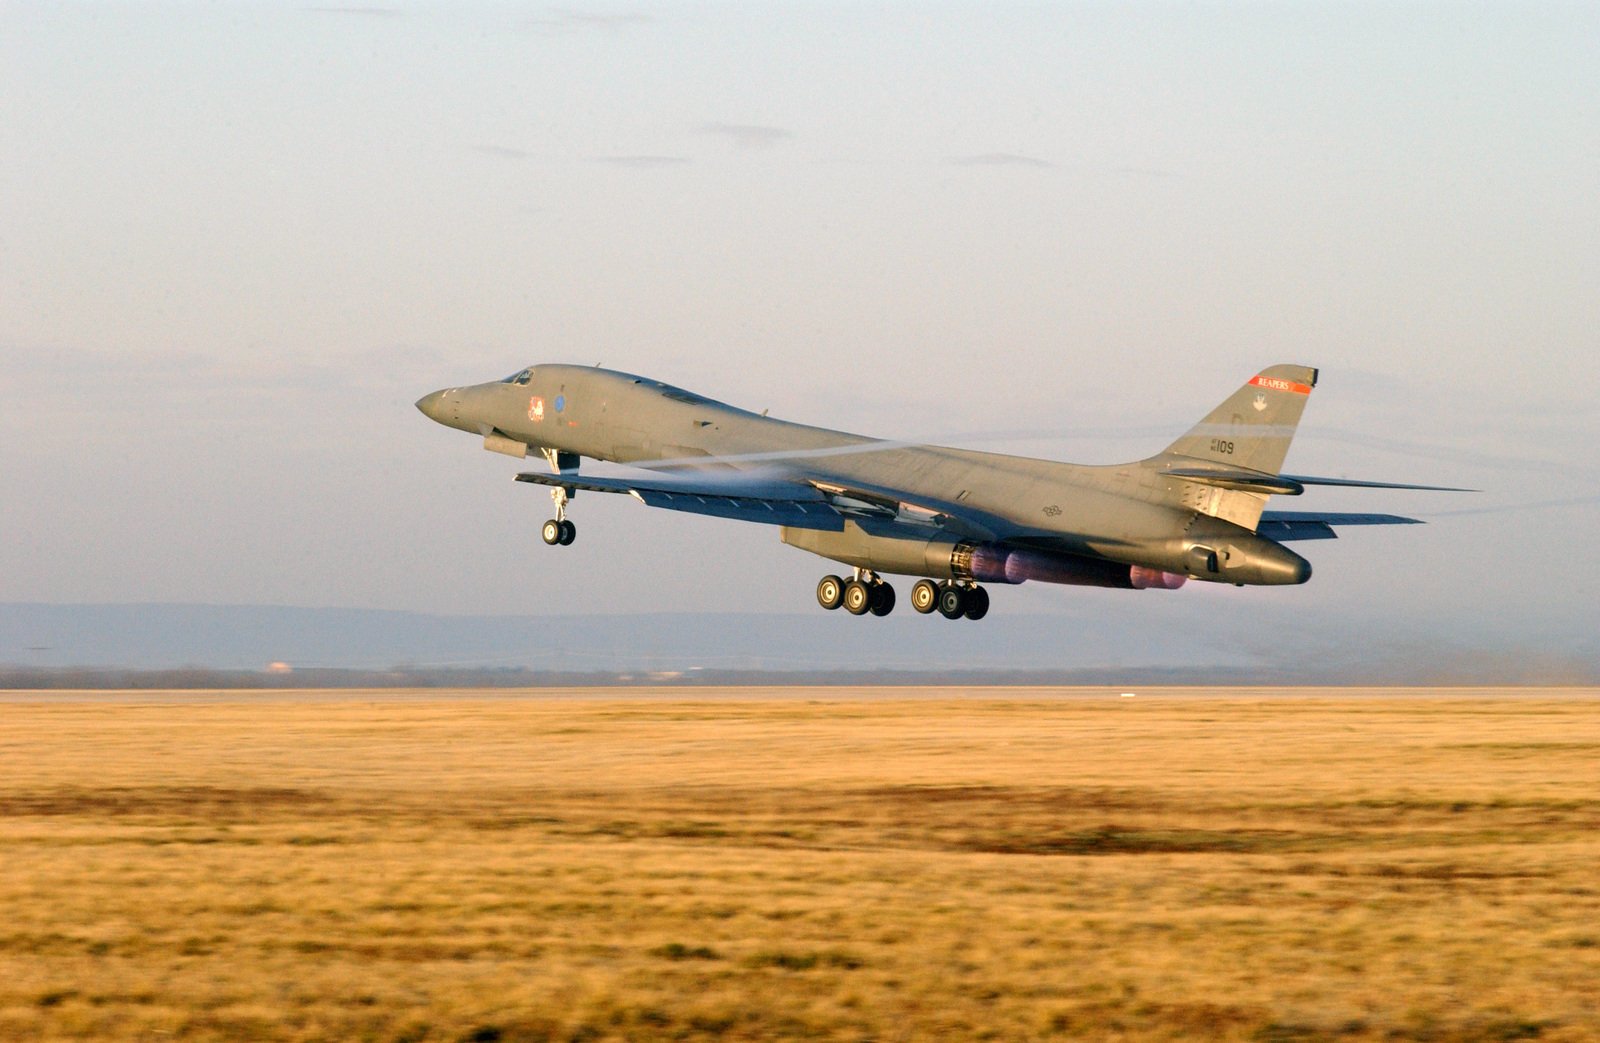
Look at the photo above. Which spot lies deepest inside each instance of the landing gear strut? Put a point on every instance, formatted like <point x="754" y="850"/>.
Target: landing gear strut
<point x="559" y="530"/>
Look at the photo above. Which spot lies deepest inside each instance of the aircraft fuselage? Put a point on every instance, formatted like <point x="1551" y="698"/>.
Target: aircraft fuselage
<point x="1129" y="514"/>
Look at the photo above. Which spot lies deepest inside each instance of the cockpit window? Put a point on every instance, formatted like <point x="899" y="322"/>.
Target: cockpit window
<point x="519" y="378"/>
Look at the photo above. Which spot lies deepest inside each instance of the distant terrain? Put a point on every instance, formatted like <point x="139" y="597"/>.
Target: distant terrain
<point x="1147" y="639"/>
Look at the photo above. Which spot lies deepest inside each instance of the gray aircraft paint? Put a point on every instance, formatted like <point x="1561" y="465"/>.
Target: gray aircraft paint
<point x="1195" y="510"/>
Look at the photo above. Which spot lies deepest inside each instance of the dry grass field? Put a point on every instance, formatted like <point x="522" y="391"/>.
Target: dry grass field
<point x="837" y="865"/>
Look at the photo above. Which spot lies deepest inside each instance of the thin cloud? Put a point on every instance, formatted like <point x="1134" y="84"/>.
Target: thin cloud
<point x="1444" y="454"/>
<point x="502" y="152"/>
<point x="367" y="12"/>
<point x="105" y="364"/>
<point x="999" y="159"/>
<point x="642" y="162"/>
<point x="559" y="22"/>
<point x="1144" y="171"/>
<point x="747" y="136"/>
<point x="1509" y="508"/>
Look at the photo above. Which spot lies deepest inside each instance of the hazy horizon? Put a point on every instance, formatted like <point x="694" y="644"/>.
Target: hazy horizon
<point x="52" y="642"/>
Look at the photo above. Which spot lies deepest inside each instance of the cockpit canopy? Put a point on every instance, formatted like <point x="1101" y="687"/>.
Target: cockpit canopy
<point x="677" y="394"/>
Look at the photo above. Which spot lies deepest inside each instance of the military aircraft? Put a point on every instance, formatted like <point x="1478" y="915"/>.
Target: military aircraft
<point x="953" y="517"/>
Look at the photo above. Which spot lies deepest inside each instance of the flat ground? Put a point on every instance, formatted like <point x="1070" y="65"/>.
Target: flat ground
<point x="832" y="864"/>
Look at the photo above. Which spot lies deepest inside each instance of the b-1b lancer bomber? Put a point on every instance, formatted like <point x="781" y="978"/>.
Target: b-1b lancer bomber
<point x="952" y="517"/>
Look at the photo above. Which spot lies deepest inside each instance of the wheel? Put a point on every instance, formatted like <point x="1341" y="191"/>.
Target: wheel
<point x="857" y="598"/>
<point x="882" y="599"/>
<point x="569" y="532"/>
<point x="830" y="592"/>
<point x="977" y="603"/>
<point x="552" y="532"/>
<point x="925" y="596"/>
<point x="952" y="601"/>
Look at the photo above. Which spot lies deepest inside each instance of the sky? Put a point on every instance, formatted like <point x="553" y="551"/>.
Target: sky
<point x="238" y="241"/>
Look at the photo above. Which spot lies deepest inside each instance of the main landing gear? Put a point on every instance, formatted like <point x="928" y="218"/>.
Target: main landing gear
<point x="950" y="600"/>
<point x="867" y="592"/>
<point x="558" y="530"/>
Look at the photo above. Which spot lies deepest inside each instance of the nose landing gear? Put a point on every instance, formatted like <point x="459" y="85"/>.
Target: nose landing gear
<point x="558" y="530"/>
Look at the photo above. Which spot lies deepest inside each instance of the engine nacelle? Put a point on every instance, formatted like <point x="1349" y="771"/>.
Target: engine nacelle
<point x="990" y="563"/>
<point x="896" y="549"/>
<point x="899" y="550"/>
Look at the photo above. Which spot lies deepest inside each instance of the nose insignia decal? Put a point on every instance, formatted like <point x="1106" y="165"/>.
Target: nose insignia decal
<point x="536" y="408"/>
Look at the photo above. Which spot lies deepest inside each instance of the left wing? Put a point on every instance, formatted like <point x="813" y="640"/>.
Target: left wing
<point x="770" y="502"/>
<point x="811" y="503"/>
<point x="1287" y="526"/>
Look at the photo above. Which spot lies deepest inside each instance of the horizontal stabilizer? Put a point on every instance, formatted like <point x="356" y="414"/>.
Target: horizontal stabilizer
<point x="1237" y="479"/>
<point x="1288" y="526"/>
<point x="773" y="503"/>
<point x="1355" y="483"/>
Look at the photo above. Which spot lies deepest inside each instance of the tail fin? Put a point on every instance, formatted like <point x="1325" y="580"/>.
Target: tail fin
<point x="1248" y="435"/>
<point x="1253" y="427"/>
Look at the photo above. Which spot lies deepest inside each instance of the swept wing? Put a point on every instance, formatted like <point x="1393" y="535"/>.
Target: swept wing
<point x="794" y="504"/>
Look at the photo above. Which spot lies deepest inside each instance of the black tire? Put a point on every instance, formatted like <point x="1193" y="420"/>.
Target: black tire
<point x="925" y="596"/>
<point x="857" y="598"/>
<point x="551" y="532"/>
<point x="830" y="592"/>
<point x="977" y="603"/>
<point x="569" y="532"/>
<point x="882" y="599"/>
<point x="952" y="601"/>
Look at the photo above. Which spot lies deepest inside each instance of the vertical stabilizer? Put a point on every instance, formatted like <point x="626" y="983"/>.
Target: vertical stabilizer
<point x="1249" y="431"/>
<point x="1253" y="427"/>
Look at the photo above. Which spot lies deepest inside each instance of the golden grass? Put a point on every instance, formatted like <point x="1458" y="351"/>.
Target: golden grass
<point x="853" y="866"/>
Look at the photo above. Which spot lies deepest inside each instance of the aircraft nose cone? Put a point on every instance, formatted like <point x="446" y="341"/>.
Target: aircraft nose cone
<point x="432" y="405"/>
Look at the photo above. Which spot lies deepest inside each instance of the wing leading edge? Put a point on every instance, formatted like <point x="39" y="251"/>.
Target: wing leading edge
<point x="800" y="504"/>
<point x="767" y="502"/>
